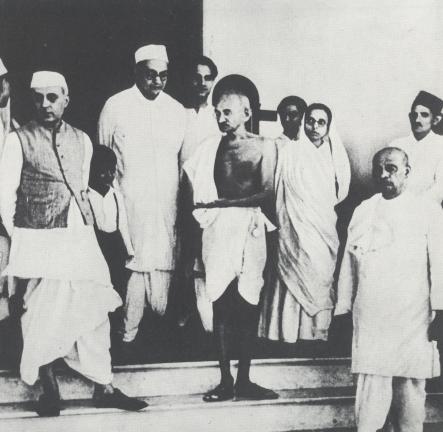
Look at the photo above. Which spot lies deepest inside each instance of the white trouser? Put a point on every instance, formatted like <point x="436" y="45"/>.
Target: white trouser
<point x="150" y="288"/>
<point x="403" y="399"/>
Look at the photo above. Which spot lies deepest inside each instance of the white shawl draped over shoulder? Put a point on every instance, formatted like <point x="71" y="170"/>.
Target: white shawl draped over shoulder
<point x="310" y="182"/>
<point x="234" y="243"/>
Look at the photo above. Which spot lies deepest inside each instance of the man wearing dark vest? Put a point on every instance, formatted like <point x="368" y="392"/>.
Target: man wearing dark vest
<point x="44" y="207"/>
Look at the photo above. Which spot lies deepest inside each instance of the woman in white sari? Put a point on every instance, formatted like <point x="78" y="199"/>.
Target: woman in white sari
<point x="312" y="177"/>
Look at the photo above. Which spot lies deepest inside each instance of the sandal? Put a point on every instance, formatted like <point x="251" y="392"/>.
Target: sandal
<point x="220" y="393"/>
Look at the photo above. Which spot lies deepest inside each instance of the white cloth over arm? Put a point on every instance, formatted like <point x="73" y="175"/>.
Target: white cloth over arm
<point x="306" y="196"/>
<point x="199" y="126"/>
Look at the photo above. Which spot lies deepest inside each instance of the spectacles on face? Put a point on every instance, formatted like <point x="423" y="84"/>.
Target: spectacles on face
<point x="152" y="75"/>
<point x="312" y="122"/>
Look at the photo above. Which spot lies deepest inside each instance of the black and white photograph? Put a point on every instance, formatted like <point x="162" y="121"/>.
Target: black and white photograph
<point x="221" y="215"/>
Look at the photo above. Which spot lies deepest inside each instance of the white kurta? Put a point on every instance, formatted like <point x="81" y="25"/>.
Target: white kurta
<point x="392" y="277"/>
<point x="200" y="125"/>
<point x="106" y="208"/>
<point x="69" y="294"/>
<point x="426" y="160"/>
<point x="146" y="137"/>
<point x="310" y="182"/>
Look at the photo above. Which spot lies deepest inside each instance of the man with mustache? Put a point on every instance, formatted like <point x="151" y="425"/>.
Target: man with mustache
<point x="391" y="278"/>
<point x="232" y="179"/>
<point x="145" y="127"/>
<point x="424" y="147"/>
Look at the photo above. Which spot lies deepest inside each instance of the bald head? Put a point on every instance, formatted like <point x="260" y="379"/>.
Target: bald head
<point x="232" y="110"/>
<point x="390" y="170"/>
<point x="228" y="93"/>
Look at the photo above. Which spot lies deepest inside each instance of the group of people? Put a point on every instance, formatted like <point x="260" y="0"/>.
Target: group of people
<point x="169" y="195"/>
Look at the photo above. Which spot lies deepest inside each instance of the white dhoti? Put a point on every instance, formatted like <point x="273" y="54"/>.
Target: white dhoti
<point x="67" y="300"/>
<point x="234" y="247"/>
<point x="144" y="288"/>
<point x="233" y="241"/>
<point x="403" y="399"/>
<point x="53" y="328"/>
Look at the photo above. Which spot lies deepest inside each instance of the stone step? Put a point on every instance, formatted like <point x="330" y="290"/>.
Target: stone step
<point x="327" y="409"/>
<point x="428" y="427"/>
<point x="167" y="379"/>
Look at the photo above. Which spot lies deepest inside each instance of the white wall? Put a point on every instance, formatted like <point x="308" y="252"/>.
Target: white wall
<point x="366" y="59"/>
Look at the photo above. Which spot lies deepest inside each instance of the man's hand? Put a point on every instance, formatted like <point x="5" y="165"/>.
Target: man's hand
<point x="435" y="330"/>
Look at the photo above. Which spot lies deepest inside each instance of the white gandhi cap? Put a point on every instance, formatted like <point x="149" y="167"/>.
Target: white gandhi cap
<point x="151" y="52"/>
<point x="48" y="79"/>
<point x="3" y="69"/>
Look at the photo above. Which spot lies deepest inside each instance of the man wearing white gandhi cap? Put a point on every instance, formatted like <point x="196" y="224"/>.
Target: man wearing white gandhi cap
<point x="145" y="127"/>
<point x="43" y="177"/>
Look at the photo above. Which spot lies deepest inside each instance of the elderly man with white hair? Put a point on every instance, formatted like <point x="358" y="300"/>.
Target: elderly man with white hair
<point x="43" y="178"/>
<point x="146" y="127"/>
<point x="230" y="180"/>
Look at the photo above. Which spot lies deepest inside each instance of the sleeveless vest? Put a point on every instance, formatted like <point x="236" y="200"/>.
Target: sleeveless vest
<point x="51" y="176"/>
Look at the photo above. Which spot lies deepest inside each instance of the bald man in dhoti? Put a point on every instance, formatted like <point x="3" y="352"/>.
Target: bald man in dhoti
<point x="424" y="147"/>
<point x="391" y="279"/>
<point x="43" y="203"/>
<point x="145" y="127"/>
<point x="313" y="176"/>
<point x="231" y="179"/>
